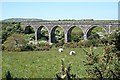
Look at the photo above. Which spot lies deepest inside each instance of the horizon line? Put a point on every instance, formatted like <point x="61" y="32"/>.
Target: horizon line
<point x="57" y="19"/>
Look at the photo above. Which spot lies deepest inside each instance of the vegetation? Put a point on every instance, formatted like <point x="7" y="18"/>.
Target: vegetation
<point x="16" y="42"/>
<point x="65" y="73"/>
<point x="107" y="64"/>
<point x="8" y="28"/>
<point x="34" y="56"/>
<point x="76" y="34"/>
<point x="43" y="64"/>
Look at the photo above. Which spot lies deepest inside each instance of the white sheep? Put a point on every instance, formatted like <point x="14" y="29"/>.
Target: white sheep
<point x="60" y="49"/>
<point x="72" y="53"/>
<point x="31" y="42"/>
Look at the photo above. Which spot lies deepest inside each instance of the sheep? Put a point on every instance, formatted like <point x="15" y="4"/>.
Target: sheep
<point x="72" y="53"/>
<point x="60" y="49"/>
<point x="32" y="42"/>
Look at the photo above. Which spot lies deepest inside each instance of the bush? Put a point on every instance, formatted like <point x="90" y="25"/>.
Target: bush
<point x="71" y="45"/>
<point x="85" y="43"/>
<point x="88" y="43"/>
<point x="65" y="73"/>
<point x="29" y="47"/>
<point x="59" y="44"/>
<point x="102" y="66"/>
<point x="15" y="42"/>
<point x="76" y="37"/>
<point x="42" y="47"/>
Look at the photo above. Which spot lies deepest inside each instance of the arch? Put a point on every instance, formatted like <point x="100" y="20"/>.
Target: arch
<point x="39" y="33"/>
<point x="53" y="34"/>
<point x="70" y="31"/>
<point x="113" y="28"/>
<point x="30" y="31"/>
<point x="89" y="30"/>
<point x="28" y="28"/>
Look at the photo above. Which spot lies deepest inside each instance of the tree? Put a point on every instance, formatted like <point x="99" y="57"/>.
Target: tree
<point x="8" y="28"/>
<point x="15" y="42"/>
<point x="106" y="65"/>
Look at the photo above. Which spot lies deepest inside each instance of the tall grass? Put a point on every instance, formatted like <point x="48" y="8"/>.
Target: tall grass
<point x="42" y="64"/>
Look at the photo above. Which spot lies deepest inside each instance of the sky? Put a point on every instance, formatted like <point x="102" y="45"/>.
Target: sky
<point x="60" y="10"/>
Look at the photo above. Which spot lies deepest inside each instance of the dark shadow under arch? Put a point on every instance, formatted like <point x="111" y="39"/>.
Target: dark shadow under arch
<point x="42" y="34"/>
<point x="89" y="31"/>
<point x="70" y="31"/>
<point x="29" y="30"/>
<point x="54" y="32"/>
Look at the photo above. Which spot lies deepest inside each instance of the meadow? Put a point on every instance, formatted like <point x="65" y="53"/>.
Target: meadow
<point x="43" y="64"/>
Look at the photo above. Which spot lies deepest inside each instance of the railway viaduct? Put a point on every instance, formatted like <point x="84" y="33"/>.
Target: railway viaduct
<point x="67" y="26"/>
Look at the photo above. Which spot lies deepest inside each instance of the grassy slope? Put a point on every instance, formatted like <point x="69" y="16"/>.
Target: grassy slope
<point x="39" y="64"/>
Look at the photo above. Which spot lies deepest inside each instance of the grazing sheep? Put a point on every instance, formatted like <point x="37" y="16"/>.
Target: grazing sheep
<point x="31" y="42"/>
<point x="94" y="48"/>
<point x="60" y="49"/>
<point x="72" y="53"/>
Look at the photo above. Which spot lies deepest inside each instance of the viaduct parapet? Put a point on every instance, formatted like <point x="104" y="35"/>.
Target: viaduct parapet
<point x="67" y="27"/>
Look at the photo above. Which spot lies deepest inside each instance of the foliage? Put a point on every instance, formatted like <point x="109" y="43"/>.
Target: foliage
<point x="107" y="65"/>
<point x="70" y="45"/>
<point x="59" y="44"/>
<point x="93" y="35"/>
<point x="115" y="39"/>
<point x="15" y="42"/>
<point x="8" y="28"/>
<point x="29" y="37"/>
<point x="104" y="66"/>
<point x="43" y="47"/>
<point x="76" y="36"/>
<point x="65" y="73"/>
<point x="29" y="30"/>
<point x="8" y="76"/>
<point x="38" y="47"/>
<point x="59" y="35"/>
<point x="88" y="43"/>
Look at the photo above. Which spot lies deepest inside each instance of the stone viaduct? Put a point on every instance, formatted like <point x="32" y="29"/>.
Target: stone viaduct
<point x="67" y="26"/>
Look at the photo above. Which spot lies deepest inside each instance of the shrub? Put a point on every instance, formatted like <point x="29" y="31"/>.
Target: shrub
<point x="76" y="36"/>
<point x="88" y="43"/>
<point x="28" y="47"/>
<point x="42" y="47"/>
<point x="58" y="44"/>
<point x="15" y="42"/>
<point x="85" y="43"/>
<point x="65" y="73"/>
<point x="102" y="66"/>
<point x="70" y="45"/>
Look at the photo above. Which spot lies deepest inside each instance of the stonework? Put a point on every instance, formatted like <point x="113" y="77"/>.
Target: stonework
<point x="67" y="26"/>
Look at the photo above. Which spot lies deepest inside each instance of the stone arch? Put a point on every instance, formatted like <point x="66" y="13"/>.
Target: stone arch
<point x="27" y="29"/>
<point x="89" y="30"/>
<point x="52" y="33"/>
<point x="69" y="31"/>
<point x="39" y="34"/>
<point x="113" y="28"/>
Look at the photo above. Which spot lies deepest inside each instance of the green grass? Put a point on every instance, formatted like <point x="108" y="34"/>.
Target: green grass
<point x="42" y="64"/>
<point x="0" y="64"/>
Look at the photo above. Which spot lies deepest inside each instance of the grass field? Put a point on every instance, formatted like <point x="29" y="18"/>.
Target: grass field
<point x="42" y="64"/>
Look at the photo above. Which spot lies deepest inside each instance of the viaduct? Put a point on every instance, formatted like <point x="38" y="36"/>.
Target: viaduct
<point x="67" y="26"/>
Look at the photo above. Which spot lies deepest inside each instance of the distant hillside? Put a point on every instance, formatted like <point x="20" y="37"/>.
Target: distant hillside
<point x="21" y="19"/>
